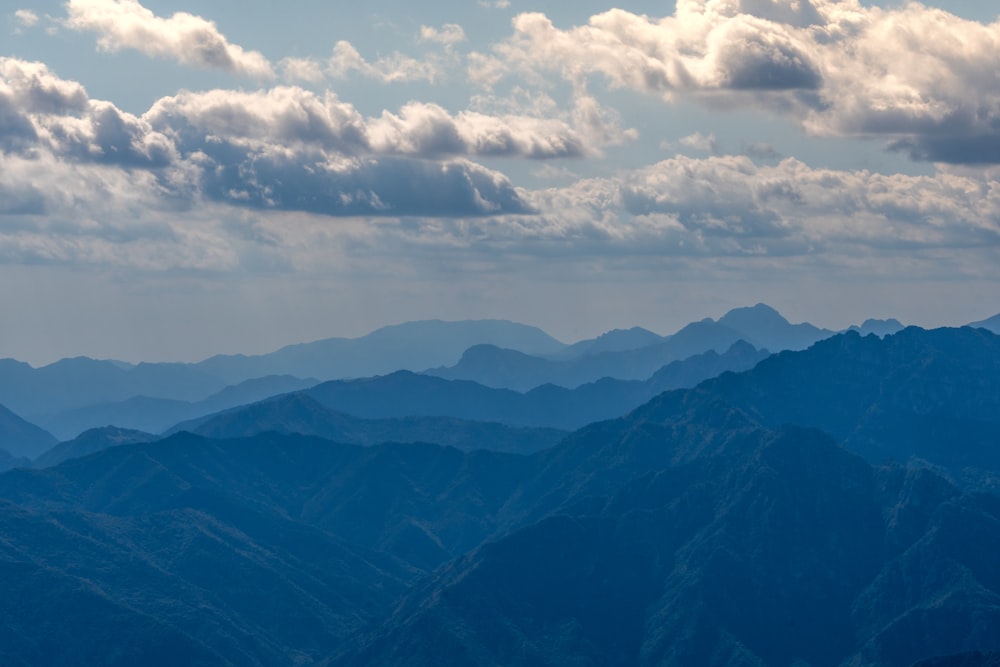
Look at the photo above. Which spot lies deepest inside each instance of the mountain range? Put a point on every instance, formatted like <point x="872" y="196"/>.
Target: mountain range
<point x="74" y="395"/>
<point x="819" y="508"/>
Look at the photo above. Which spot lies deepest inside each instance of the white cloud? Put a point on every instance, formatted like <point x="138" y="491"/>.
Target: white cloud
<point x="26" y="18"/>
<point x="186" y="38"/>
<point x="447" y="35"/>
<point x="393" y="68"/>
<point x="835" y="66"/>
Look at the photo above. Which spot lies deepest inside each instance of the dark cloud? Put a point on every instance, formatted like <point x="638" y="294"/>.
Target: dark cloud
<point x="384" y="186"/>
<point x="757" y="65"/>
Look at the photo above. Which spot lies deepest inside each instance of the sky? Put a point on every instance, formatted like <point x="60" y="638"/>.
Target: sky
<point x="180" y="179"/>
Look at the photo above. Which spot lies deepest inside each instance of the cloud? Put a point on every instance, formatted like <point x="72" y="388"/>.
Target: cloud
<point x="394" y="68"/>
<point x="834" y="66"/>
<point x="26" y="18"/>
<point x="447" y="35"/>
<point x="730" y="206"/>
<point x="38" y="110"/>
<point x="186" y="38"/>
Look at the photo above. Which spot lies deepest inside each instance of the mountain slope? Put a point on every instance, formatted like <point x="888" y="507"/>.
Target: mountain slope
<point x="912" y="394"/>
<point x="22" y="439"/>
<point x="410" y="346"/>
<point x="992" y="323"/>
<point x="298" y="413"/>
<point x="702" y="555"/>
<point x="630" y="355"/>
<point x="155" y="415"/>
<point x="89" y="442"/>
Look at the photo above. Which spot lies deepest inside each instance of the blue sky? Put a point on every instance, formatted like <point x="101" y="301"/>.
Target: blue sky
<point x="181" y="179"/>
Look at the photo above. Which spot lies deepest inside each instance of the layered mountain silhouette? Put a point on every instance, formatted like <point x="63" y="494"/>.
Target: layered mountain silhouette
<point x="299" y="413"/>
<point x="89" y="442"/>
<point x="405" y="394"/>
<point x="761" y="326"/>
<point x="155" y="415"/>
<point x="834" y="506"/>
<point x="412" y="346"/>
<point x="992" y="323"/>
<point x="20" y="438"/>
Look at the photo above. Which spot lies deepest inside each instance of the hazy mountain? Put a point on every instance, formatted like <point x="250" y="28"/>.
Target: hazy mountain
<point x="79" y="382"/>
<point x="878" y="327"/>
<point x="765" y="327"/>
<point x="8" y="461"/>
<point x="992" y="323"/>
<point x="299" y="413"/>
<point x="630" y="355"/>
<point x="155" y="415"/>
<point x="411" y="346"/>
<point x="616" y="340"/>
<point x="20" y="438"/>
<point x="91" y="441"/>
<point x="495" y="367"/>
<point x="703" y="528"/>
<point x="406" y="394"/>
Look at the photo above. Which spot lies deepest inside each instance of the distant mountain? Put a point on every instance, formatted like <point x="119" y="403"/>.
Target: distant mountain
<point x="616" y="340"/>
<point x="880" y="328"/>
<point x="8" y="461"/>
<point x="625" y="357"/>
<point x="992" y="323"/>
<point x="411" y="346"/>
<point x="20" y="438"/>
<point x="155" y="415"/>
<point x="299" y="413"/>
<point x="765" y="327"/>
<point x="75" y="383"/>
<point x="406" y="394"/>
<point x="94" y="440"/>
<point x="703" y="528"/>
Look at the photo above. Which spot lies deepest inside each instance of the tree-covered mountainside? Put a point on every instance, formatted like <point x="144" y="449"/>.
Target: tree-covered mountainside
<point x="831" y="506"/>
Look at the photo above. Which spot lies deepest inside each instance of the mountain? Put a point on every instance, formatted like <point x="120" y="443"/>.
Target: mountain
<point x="878" y="327"/>
<point x="625" y="357"/>
<point x="700" y="540"/>
<point x="91" y="441"/>
<point x="298" y="413"/>
<point x="405" y="394"/>
<point x="20" y="438"/>
<point x="8" y="461"/>
<point x="703" y="528"/>
<point x="765" y="327"/>
<point x="992" y="323"/>
<point x="79" y="382"/>
<point x="913" y="394"/>
<point x="616" y="340"/>
<point x="155" y="415"/>
<point x="410" y="346"/>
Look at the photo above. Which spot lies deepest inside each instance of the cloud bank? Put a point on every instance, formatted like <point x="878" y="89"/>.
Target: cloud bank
<point x="920" y="78"/>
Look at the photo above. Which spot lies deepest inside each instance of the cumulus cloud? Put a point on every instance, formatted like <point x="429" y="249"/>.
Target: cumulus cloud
<point x="186" y="38"/>
<point x="394" y="68"/>
<point x="280" y="149"/>
<point x="837" y="67"/>
<point x="733" y="206"/>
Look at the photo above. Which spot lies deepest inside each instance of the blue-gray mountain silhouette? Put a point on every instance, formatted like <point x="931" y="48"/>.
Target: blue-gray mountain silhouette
<point x="760" y="325"/>
<point x="20" y="438"/>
